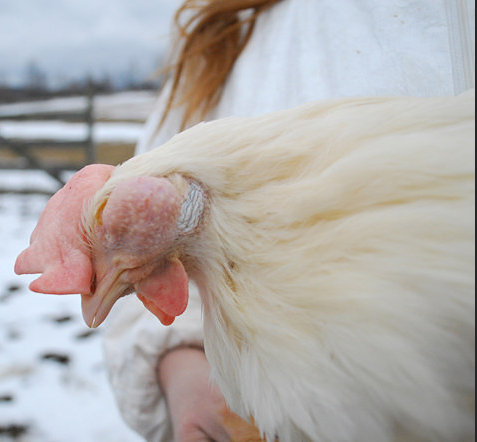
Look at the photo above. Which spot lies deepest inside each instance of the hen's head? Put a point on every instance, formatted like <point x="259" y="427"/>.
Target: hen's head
<point x="105" y="245"/>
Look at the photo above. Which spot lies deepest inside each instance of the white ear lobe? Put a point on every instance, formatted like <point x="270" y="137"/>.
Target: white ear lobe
<point x="192" y="209"/>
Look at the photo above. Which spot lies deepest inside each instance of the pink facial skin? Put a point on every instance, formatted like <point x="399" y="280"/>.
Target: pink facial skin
<point x="134" y="230"/>
<point x="133" y="251"/>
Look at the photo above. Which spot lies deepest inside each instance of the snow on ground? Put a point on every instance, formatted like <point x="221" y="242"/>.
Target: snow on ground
<point x="120" y="118"/>
<point x="51" y="130"/>
<point x="53" y="383"/>
<point x="125" y="106"/>
<point x="119" y="106"/>
<point x="53" y="105"/>
<point x="15" y="180"/>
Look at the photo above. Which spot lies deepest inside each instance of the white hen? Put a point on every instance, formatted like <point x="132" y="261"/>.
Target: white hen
<point x="333" y="245"/>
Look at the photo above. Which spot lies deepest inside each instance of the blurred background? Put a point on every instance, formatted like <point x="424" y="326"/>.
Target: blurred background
<point x="56" y="43"/>
<point x="76" y="85"/>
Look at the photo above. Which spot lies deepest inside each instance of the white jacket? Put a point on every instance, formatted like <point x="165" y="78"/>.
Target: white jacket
<point x="301" y="50"/>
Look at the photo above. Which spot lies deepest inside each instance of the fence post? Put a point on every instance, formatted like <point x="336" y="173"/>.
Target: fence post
<point x="90" y="148"/>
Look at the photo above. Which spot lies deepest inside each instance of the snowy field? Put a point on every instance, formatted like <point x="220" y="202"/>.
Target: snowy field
<point x="120" y="118"/>
<point x="134" y="106"/>
<point x="53" y="384"/>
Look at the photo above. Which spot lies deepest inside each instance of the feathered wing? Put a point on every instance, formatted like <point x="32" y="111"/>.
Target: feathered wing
<point x="336" y="264"/>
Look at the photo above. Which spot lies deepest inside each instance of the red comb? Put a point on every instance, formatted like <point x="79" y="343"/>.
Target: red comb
<point x="56" y="247"/>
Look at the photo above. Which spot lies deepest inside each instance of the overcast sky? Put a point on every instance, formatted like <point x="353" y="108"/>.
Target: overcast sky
<point x="71" y="38"/>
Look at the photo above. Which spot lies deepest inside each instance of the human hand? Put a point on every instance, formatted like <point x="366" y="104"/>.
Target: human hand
<point x="197" y="409"/>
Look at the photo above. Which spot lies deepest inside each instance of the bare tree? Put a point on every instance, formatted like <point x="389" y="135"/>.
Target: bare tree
<point x="35" y="77"/>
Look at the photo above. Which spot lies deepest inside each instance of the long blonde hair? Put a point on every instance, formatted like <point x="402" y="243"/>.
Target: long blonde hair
<point x="209" y="42"/>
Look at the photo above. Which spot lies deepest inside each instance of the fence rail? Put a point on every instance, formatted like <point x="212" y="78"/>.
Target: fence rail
<point x="39" y="154"/>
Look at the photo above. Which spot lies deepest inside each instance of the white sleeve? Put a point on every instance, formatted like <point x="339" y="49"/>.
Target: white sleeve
<point x="134" y="341"/>
<point x="154" y="134"/>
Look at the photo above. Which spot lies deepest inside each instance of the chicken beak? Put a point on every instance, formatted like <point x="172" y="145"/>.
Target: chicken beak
<point x="97" y="306"/>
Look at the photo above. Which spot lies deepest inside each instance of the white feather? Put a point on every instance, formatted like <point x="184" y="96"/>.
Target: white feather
<point x="336" y="265"/>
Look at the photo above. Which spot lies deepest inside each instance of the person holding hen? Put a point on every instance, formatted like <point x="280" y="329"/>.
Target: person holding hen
<point x="382" y="224"/>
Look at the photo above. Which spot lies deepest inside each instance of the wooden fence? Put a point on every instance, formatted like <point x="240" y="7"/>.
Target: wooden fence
<point x="51" y="155"/>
